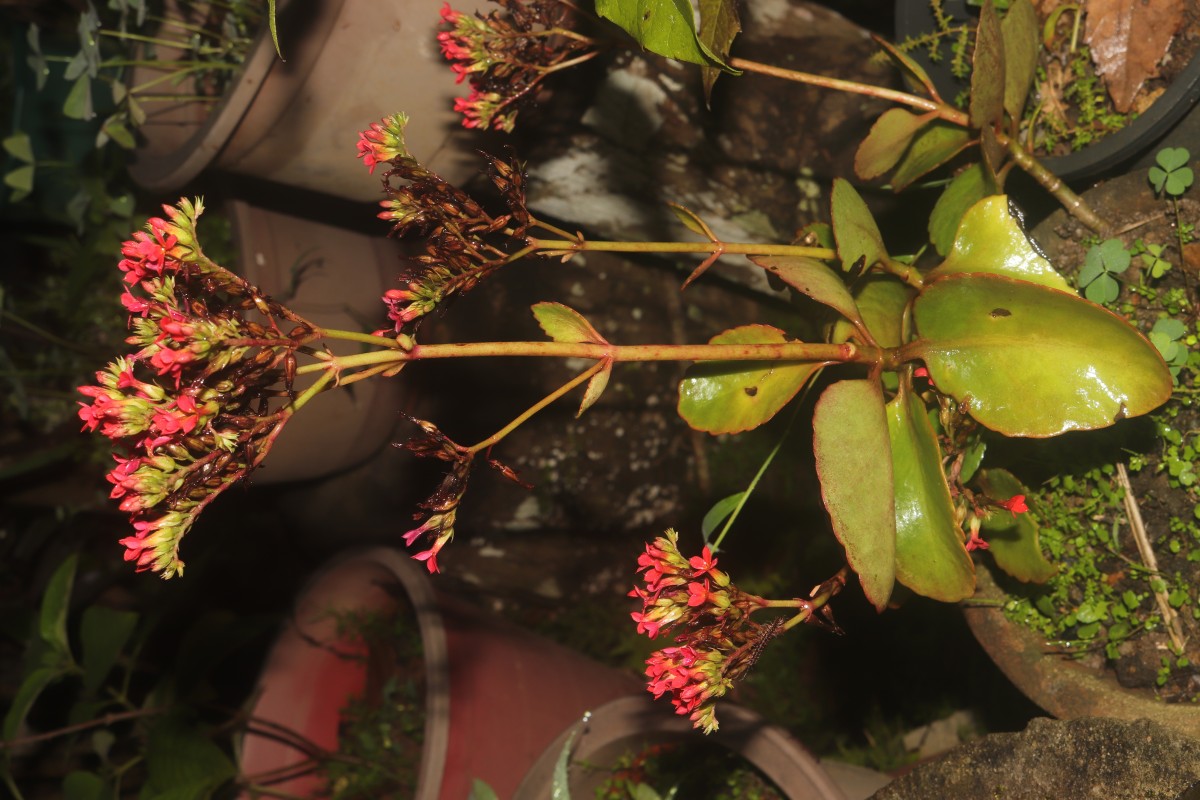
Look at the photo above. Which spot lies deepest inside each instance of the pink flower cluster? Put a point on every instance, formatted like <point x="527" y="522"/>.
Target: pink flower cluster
<point x="383" y="141"/>
<point x="691" y="593"/>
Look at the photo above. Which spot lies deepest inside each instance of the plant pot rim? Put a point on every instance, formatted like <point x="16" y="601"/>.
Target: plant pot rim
<point x="1113" y="150"/>
<point x="1063" y="687"/>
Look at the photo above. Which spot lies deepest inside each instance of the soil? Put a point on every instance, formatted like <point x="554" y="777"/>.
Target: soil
<point x="1056" y="80"/>
<point x="1130" y="206"/>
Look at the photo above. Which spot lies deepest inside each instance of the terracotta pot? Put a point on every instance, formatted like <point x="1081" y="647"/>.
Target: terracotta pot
<point x="295" y="122"/>
<point x="334" y="277"/>
<point x="630" y="723"/>
<point x="1065" y="688"/>
<point x="496" y="695"/>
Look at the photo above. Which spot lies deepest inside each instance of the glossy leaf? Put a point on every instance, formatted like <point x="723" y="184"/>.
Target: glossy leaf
<point x="1019" y="29"/>
<point x="1013" y="538"/>
<point x="813" y="279"/>
<point x="735" y="396"/>
<point x="665" y="27"/>
<point x="889" y="137"/>
<point x="881" y="299"/>
<point x="965" y="190"/>
<point x="934" y="145"/>
<point x="930" y="556"/>
<point x="1027" y="360"/>
<point x="850" y="442"/>
<point x="990" y="239"/>
<point x="564" y="324"/>
<point x="986" y="107"/>
<point x="854" y="228"/>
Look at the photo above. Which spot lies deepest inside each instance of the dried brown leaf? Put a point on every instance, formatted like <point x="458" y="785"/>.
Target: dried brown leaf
<point x="1128" y="39"/>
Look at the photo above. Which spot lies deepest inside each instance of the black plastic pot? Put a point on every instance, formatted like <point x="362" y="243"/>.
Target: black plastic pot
<point x="1168" y="122"/>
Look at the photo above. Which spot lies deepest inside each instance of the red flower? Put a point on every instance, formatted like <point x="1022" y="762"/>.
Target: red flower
<point x="1015" y="504"/>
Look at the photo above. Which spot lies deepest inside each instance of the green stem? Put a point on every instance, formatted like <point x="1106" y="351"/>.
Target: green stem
<point x="538" y="406"/>
<point x="356" y="336"/>
<point x="319" y="385"/>
<point x="733" y="248"/>
<point x="1073" y="203"/>
<point x="788" y="351"/>
<point x="172" y="43"/>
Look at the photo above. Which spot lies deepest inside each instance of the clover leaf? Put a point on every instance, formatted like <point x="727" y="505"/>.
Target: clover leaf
<point x="1100" y="265"/>
<point x="1171" y="173"/>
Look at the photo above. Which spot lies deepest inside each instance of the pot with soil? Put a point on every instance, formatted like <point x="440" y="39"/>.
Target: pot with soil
<point x="1114" y="81"/>
<point x="608" y="750"/>
<point x="295" y="122"/>
<point x="1114" y="631"/>
<point x="494" y="695"/>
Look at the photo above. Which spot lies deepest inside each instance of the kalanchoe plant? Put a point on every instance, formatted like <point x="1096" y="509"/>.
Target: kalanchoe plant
<point x="920" y="362"/>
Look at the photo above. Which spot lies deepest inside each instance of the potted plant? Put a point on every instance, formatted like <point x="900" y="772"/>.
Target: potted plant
<point x="1083" y="112"/>
<point x="1113" y="630"/>
<point x="495" y="695"/>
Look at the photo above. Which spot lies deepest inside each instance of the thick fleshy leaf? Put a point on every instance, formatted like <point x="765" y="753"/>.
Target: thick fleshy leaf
<point x="934" y="145"/>
<point x="1027" y="360"/>
<point x="665" y="27"/>
<point x="990" y="239"/>
<point x="815" y="280"/>
<point x="986" y="107"/>
<point x="930" y="556"/>
<point x="1013" y="538"/>
<point x="1019" y="28"/>
<point x="965" y="190"/>
<point x="735" y="396"/>
<point x="890" y="136"/>
<point x="850" y="442"/>
<point x="854" y="228"/>
<point x="881" y="299"/>
<point x="564" y="324"/>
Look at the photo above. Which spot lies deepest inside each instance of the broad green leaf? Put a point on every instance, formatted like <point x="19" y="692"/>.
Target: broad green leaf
<point x="990" y="240"/>
<point x="52" y="619"/>
<point x="1172" y="158"/>
<point x="1027" y="360"/>
<point x="889" y="137"/>
<point x="986" y="107"/>
<point x="817" y="234"/>
<point x="665" y="27"/>
<point x="1019" y="29"/>
<point x="564" y="324"/>
<point x="719" y="513"/>
<point x="719" y="26"/>
<point x="850" y="442"/>
<point x="930" y="556"/>
<point x="31" y="686"/>
<point x="882" y="300"/>
<point x="815" y="280"/>
<point x="735" y="396"/>
<point x="20" y="147"/>
<point x="854" y="228"/>
<point x="80" y="785"/>
<point x="78" y="104"/>
<point x="934" y="145"/>
<point x="1013" y="538"/>
<point x="965" y="190"/>
<point x="909" y="65"/>
<point x="181" y="762"/>
<point x="103" y="633"/>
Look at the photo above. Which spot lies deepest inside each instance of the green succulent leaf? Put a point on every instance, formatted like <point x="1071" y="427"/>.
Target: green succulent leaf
<point x="858" y="237"/>
<point x="930" y="557"/>
<point x="889" y="137"/>
<point x="965" y="190"/>
<point x="881" y="299"/>
<point x="1019" y="29"/>
<point x="735" y="396"/>
<point x="1013" y="538"/>
<point x="850" y="442"/>
<point x="813" y="279"/>
<point x="1027" y="360"/>
<point x="665" y="27"/>
<point x="990" y="240"/>
<point x="934" y="145"/>
<point x="564" y="324"/>
<point x="986" y="107"/>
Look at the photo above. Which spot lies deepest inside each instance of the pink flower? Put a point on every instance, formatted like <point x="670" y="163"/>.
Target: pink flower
<point x="975" y="542"/>
<point x="704" y="564"/>
<point x="1015" y="504"/>
<point x="922" y="372"/>
<point x="383" y="141"/>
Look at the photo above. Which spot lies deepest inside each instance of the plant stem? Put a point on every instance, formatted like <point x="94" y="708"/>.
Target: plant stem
<point x="1073" y="203"/>
<point x="538" y="406"/>
<point x="66" y="730"/>
<point x="788" y="351"/>
<point x="734" y="248"/>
